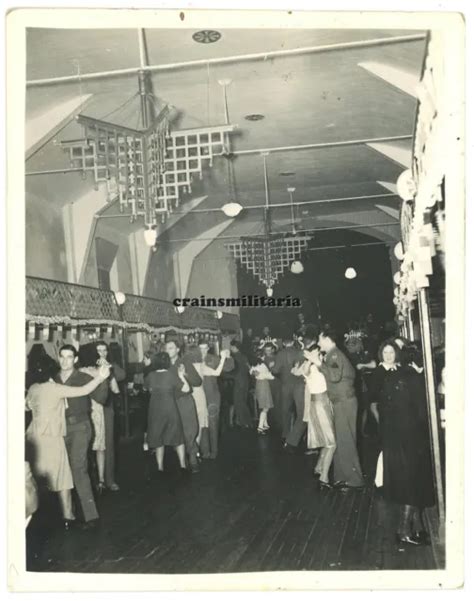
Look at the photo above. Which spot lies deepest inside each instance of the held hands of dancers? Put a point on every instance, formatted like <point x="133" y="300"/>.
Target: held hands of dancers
<point x="181" y="371"/>
<point x="225" y="353"/>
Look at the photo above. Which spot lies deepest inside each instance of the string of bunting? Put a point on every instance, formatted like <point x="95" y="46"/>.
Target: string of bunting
<point x="60" y="321"/>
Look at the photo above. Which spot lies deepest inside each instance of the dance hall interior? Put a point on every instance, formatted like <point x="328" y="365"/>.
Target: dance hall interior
<point x="235" y="299"/>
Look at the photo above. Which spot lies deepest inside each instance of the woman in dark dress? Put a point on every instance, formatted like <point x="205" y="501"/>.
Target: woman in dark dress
<point x="164" y="422"/>
<point x="398" y="404"/>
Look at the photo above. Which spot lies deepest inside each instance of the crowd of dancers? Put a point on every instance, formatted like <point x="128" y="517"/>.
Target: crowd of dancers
<point x="316" y="392"/>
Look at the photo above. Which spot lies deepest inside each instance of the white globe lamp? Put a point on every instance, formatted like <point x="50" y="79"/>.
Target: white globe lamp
<point x="150" y="236"/>
<point x="120" y="298"/>
<point x="297" y="267"/>
<point x="231" y="209"/>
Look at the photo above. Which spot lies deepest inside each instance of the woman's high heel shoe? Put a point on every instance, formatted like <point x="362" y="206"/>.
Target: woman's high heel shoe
<point x="69" y="523"/>
<point x="407" y="540"/>
<point x="325" y="485"/>
<point x="422" y="537"/>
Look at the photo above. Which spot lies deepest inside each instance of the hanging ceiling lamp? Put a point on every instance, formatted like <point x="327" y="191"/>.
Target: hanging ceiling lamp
<point x="350" y="273"/>
<point x="297" y="267"/>
<point x="150" y="235"/>
<point x="398" y="251"/>
<point x="148" y="168"/>
<point x="231" y="208"/>
<point x="406" y="186"/>
<point x="120" y="297"/>
<point x="268" y="255"/>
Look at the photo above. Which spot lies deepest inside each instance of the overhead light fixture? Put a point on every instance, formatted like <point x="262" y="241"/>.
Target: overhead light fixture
<point x="231" y="209"/>
<point x="297" y="267"/>
<point x="207" y="36"/>
<point x="351" y="273"/>
<point x="398" y="251"/>
<point x="150" y="235"/>
<point x="406" y="186"/>
<point x="397" y="278"/>
<point x="180" y="309"/>
<point x="269" y="292"/>
<point x="120" y="297"/>
<point x="219" y="314"/>
<point x="143" y="166"/>
<point x="254" y="117"/>
<point x="267" y="256"/>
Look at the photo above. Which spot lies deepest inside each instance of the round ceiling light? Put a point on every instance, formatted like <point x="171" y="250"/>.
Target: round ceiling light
<point x="207" y="36"/>
<point x="231" y="209"/>
<point x="120" y="297"/>
<point x="297" y="267"/>
<point x="398" y="251"/>
<point x="351" y="273"/>
<point x="254" y="117"/>
<point x="150" y="236"/>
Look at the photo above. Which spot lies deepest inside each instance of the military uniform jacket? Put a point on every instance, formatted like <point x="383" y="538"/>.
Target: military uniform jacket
<point x="340" y="376"/>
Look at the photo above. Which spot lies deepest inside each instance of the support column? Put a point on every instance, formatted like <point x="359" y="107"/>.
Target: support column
<point x="409" y="326"/>
<point x="432" y="405"/>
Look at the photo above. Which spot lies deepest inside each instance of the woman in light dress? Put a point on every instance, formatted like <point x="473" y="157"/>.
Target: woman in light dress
<point x="263" y="393"/>
<point x="45" y="434"/>
<point x="318" y="413"/>
<point x="91" y="363"/>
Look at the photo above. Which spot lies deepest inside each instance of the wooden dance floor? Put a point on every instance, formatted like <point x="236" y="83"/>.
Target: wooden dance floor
<point x="253" y="509"/>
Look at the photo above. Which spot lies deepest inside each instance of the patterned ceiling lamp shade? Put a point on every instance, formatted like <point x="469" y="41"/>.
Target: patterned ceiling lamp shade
<point x="150" y="167"/>
<point x="267" y="256"/>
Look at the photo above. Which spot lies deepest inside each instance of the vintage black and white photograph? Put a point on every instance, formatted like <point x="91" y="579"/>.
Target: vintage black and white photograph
<point x="235" y="278"/>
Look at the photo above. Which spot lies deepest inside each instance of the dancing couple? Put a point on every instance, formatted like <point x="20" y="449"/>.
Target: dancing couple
<point x="330" y="411"/>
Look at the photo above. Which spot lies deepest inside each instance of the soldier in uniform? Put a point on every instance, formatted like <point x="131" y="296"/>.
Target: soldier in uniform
<point x="340" y="376"/>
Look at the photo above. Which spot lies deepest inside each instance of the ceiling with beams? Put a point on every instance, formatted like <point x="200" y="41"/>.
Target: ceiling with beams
<point x="306" y="99"/>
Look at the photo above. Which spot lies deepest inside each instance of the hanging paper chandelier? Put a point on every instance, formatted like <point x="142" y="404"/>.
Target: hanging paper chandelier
<point x="146" y="169"/>
<point x="267" y="256"/>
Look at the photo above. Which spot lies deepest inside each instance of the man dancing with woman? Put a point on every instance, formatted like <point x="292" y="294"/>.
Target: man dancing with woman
<point x="318" y="414"/>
